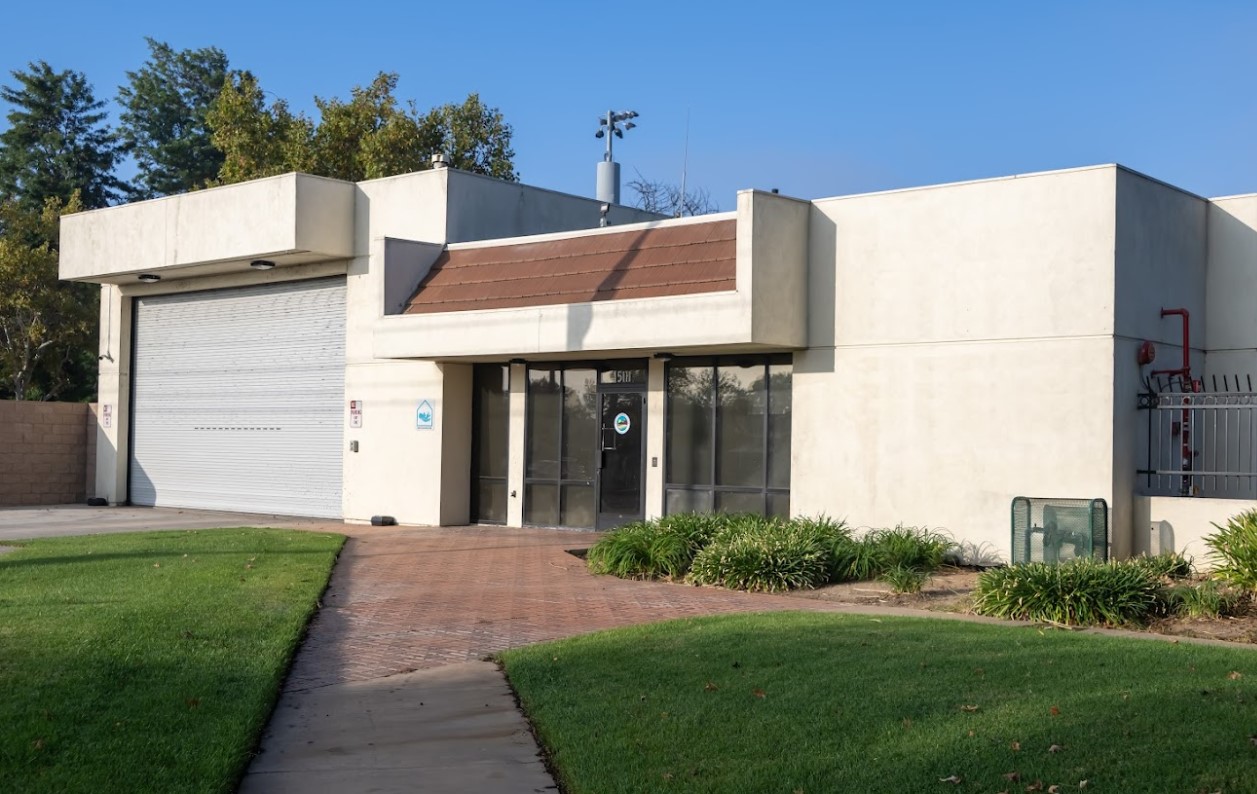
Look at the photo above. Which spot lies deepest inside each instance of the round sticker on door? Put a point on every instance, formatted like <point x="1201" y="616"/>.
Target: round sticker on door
<point x="622" y="423"/>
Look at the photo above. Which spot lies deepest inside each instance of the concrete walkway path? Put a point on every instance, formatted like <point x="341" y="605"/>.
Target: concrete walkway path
<point x="407" y="620"/>
<point x="452" y="728"/>
<point x="19" y="523"/>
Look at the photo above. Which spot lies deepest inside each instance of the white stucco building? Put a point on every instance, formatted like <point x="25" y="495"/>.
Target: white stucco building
<point x="442" y="348"/>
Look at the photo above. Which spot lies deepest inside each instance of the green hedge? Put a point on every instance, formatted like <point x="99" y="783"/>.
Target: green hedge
<point x="750" y="552"/>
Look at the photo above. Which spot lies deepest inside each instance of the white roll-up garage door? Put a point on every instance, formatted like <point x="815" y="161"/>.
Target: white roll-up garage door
<point x="238" y="399"/>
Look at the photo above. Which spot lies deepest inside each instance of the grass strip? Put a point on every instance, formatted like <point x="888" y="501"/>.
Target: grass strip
<point x="148" y="661"/>
<point x="795" y="702"/>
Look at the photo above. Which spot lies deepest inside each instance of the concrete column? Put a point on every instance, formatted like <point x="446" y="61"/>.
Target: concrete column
<point x="515" y="448"/>
<point x="114" y="390"/>
<point x="656" y="425"/>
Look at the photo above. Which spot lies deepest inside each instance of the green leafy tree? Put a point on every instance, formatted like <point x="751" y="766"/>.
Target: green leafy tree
<point x="476" y="138"/>
<point x="57" y="142"/>
<point x="257" y="140"/>
<point x="47" y="326"/>
<point x="164" y="124"/>
<point x="370" y="135"/>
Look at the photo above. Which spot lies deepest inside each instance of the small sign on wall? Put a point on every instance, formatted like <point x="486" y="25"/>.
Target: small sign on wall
<point x="355" y="413"/>
<point x="425" y="416"/>
<point x="106" y="415"/>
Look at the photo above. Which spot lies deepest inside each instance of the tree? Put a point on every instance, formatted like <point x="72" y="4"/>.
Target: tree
<point x="475" y="138"/>
<point x="369" y="136"/>
<point x="667" y="199"/>
<point x="256" y="140"/>
<point x="57" y="142"/>
<point x="163" y="123"/>
<point x="47" y="327"/>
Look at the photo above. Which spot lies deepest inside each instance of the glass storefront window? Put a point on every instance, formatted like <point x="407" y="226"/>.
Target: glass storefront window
<point x="690" y="396"/>
<point x="490" y="436"/>
<point x="728" y="435"/>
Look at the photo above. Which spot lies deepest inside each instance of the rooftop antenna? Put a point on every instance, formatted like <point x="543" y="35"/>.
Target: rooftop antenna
<point x="685" y="163"/>
<point x="611" y="126"/>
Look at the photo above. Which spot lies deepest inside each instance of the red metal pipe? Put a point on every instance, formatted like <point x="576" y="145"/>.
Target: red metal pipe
<point x="1186" y="369"/>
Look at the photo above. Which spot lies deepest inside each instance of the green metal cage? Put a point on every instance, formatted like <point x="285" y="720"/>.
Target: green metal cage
<point x="1057" y="530"/>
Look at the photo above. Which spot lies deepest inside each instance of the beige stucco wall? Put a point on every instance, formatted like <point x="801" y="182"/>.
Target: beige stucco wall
<point x="1231" y="324"/>
<point x="1173" y="523"/>
<point x="1159" y="262"/>
<point x="960" y="353"/>
<point x="291" y="219"/>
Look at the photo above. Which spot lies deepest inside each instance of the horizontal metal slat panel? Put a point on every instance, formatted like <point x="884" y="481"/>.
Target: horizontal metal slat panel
<point x="238" y="399"/>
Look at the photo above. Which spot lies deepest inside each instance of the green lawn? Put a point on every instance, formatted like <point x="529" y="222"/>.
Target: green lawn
<point x="815" y="703"/>
<point x="150" y="661"/>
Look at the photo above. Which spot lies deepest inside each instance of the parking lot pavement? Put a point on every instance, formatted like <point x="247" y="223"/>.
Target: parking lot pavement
<point x="17" y="523"/>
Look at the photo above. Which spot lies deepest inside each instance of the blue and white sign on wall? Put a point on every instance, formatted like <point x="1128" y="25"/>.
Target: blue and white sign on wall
<point x="425" y="416"/>
<point x="622" y="423"/>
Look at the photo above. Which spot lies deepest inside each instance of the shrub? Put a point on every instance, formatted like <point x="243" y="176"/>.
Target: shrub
<point x="904" y="579"/>
<point x="921" y="549"/>
<point x="641" y="550"/>
<point x="1235" y="547"/>
<point x="883" y="550"/>
<point x="1202" y="600"/>
<point x="763" y="554"/>
<point x="1078" y="592"/>
<point x="1167" y="565"/>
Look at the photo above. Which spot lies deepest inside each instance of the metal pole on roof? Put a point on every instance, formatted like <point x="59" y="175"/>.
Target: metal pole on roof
<point x="612" y="125"/>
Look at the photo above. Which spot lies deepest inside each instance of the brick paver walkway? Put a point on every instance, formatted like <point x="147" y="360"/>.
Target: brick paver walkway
<point x="403" y="600"/>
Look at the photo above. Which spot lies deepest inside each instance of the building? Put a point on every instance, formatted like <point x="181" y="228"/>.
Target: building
<point x="443" y="348"/>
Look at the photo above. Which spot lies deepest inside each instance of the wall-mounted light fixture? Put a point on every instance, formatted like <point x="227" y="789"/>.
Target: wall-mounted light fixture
<point x="517" y="361"/>
<point x="261" y="264"/>
<point x="664" y="356"/>
<point x="149" y="278"/>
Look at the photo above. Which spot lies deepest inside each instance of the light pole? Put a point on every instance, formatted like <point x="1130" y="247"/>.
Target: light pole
<point x="611" y="126"/>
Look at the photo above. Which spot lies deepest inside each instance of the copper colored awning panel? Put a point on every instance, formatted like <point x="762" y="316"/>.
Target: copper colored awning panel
<point x="643" y="263"/>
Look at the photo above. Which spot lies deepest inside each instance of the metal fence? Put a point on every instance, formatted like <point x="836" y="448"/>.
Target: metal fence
<point x="1201" y="444"/>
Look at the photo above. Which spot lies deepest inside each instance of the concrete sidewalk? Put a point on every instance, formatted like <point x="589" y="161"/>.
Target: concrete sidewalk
<point x="18" y="523"/>
<point x="448" y="729"/>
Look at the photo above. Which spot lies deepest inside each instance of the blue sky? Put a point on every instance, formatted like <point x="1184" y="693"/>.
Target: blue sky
<point x="816" y="99"/>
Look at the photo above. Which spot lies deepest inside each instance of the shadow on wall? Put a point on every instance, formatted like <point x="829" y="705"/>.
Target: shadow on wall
<point x="580" y="315"/>
<point x="822" y="290"/>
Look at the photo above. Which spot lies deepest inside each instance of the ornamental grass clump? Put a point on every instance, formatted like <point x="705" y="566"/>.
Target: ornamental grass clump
<point x="658" y="549"/>
<point x="764" y="555"/>
<point x="1167" y="565"/>
<point x="1202" y="600"/>
<point x="1082" y="592"/>
<point x="881" y="551"/>
<point x="1234" y="547"/>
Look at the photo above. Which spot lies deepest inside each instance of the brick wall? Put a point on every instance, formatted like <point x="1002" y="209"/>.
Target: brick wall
<point x="44" y="452"/>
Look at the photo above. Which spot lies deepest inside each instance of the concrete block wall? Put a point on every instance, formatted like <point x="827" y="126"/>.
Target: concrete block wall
<point x="44" y="452"/>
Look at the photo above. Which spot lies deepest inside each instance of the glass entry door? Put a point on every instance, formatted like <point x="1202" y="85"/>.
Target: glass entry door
<point x="621" y="455"/>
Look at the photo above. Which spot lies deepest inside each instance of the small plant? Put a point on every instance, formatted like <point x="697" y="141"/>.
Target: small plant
<point x="1167" y="565"/>
<point x="969" y="554"/>
<point x="1079" y="592"/>
<point x="1202" y="600"/>
<point x="905" y="580"/>
<point x="762" y="554"/>
<point x="1234" y="546"/>
<point x="909" y="547"/>
<point x="641" y="550"/>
